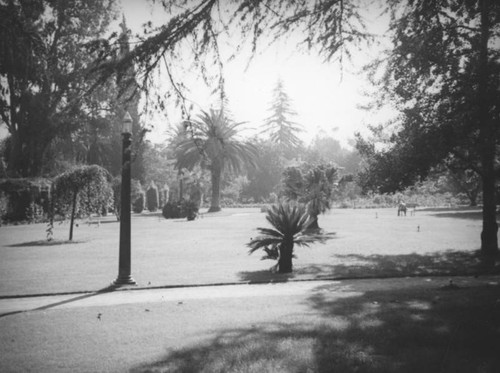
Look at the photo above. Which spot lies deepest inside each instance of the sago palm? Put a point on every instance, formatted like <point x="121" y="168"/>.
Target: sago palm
<point x="290" y="223"/>
<point x="214" y="144"/>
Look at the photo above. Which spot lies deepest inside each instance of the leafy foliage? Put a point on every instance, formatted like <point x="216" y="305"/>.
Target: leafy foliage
<point x="43" y="65"/>
<point x="171" y="210"/>
<point x="152" y="198"/>
<point x="442" y="75"/>
<point x="138" y="203"/>
<point x="265" y="178"/>
<point x="81" y="191"/>
<point x="214" y="146"/>
<point x="328" y="27"/>
<point x="312" y="186"/>
<point x="189" y="209"/>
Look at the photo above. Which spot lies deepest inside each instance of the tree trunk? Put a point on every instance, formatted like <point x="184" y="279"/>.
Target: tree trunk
<point x="16" y="161"/>
<point x="489" y="240"/>
<point x="472" y="198"/>
<point x="314" y="226"/>
<point x="285" y="259"/>
<point x="216" y="174"/>
<point x="73" y="211"/>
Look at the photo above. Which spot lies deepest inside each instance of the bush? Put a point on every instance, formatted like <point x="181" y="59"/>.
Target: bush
<point x="35" y="213"/>
<point x="20" y="194"/>
<point x="3" y="206"/>
<point x="152" y="198"/>
<point x="189" y="209"/>
<point x="172" y="210"/>
<point x="138" y="205"/>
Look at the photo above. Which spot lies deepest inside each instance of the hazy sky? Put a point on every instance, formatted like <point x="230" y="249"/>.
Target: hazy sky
<point x="323" y="97"/>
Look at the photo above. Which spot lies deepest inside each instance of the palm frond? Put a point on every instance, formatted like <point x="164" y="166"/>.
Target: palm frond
<point x="260" y="242"/>
<point x="270" y="232"/>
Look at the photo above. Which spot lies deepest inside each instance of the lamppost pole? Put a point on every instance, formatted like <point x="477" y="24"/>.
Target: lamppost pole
<point x="124" y="267"/>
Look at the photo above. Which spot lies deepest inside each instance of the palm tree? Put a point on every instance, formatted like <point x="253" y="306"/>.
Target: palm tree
<point x="291" y="222"/>
<point x="319" y="189"/>
<point x="214" y="144"/>
<point x="312" y="186"/>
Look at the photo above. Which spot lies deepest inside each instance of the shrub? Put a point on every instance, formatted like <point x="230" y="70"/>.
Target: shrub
<point x="3" y="206"/>
<point x="171" y="210"/>
<point x="290" y="226"/>
<point x="20" y="194"/>
<point x="137" y="196"/>
<point x="152" y="198"/>
<point x="138" y="205"/>
<point x="35" y="213"/>
<point x="189" y="209"/>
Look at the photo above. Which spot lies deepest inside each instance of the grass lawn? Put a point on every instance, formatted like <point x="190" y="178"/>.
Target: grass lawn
<point x="368" y="243"/>
<point x="414" y="324"/>
<point x="387" y="323"/>
<point x="381" y="326"/>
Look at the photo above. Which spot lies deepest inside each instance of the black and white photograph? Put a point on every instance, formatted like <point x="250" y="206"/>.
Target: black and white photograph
<point x="249" y="186"/>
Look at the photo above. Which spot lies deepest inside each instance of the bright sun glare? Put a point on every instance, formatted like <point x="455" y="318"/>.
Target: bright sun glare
<point x="324" y="95"/>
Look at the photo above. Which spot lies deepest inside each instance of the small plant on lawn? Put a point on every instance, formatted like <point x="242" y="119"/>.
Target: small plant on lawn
<point x="290" y="223"/>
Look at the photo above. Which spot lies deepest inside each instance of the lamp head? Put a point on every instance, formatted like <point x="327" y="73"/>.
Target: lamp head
<point x="127" y="123"/>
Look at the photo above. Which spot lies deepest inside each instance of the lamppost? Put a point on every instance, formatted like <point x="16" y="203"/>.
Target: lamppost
<point x="124" y="277"/>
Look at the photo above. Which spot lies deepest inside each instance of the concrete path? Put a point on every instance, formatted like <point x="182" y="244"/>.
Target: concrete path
<point x="134" y="296"/>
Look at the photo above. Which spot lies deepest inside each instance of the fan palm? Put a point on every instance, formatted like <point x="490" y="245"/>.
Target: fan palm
<point x="290" y="222"/>
<point x="318" y="191"/>
<point x="312" y="186"/>
<point x="214" y="145"/>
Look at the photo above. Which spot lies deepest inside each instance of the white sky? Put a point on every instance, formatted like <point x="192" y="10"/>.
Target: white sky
<point x="323" y="97"/>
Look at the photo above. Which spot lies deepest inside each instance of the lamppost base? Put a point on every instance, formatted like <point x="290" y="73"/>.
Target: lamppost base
<point x="124" y="280"/>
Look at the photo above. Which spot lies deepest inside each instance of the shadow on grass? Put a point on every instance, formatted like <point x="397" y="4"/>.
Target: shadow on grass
<point x="469" y="215"/>
<point x="445" y="263"/>
<point x="264" y="276"/>
<point x="436" y="264"/>
<point x="392" y="328"/>
<point x="107" y="289"/>
<point x="45" y="243"/>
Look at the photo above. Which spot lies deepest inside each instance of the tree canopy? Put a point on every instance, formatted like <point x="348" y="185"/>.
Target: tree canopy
<point x="214" y="145"/>
<point x="46" y="50"/>
<point x="81" y="191"/>
<point x="329" y="27"/>
<point x="442" y="74"/>
<point x="279" y="126"/>
<point x="311" y="185"/>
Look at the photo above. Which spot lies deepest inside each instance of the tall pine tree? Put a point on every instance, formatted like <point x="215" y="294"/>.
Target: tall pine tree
<point x="279" y="125"/>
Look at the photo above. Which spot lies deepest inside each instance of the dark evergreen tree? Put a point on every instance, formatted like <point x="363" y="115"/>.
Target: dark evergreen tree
<point x="46" y="50"/>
